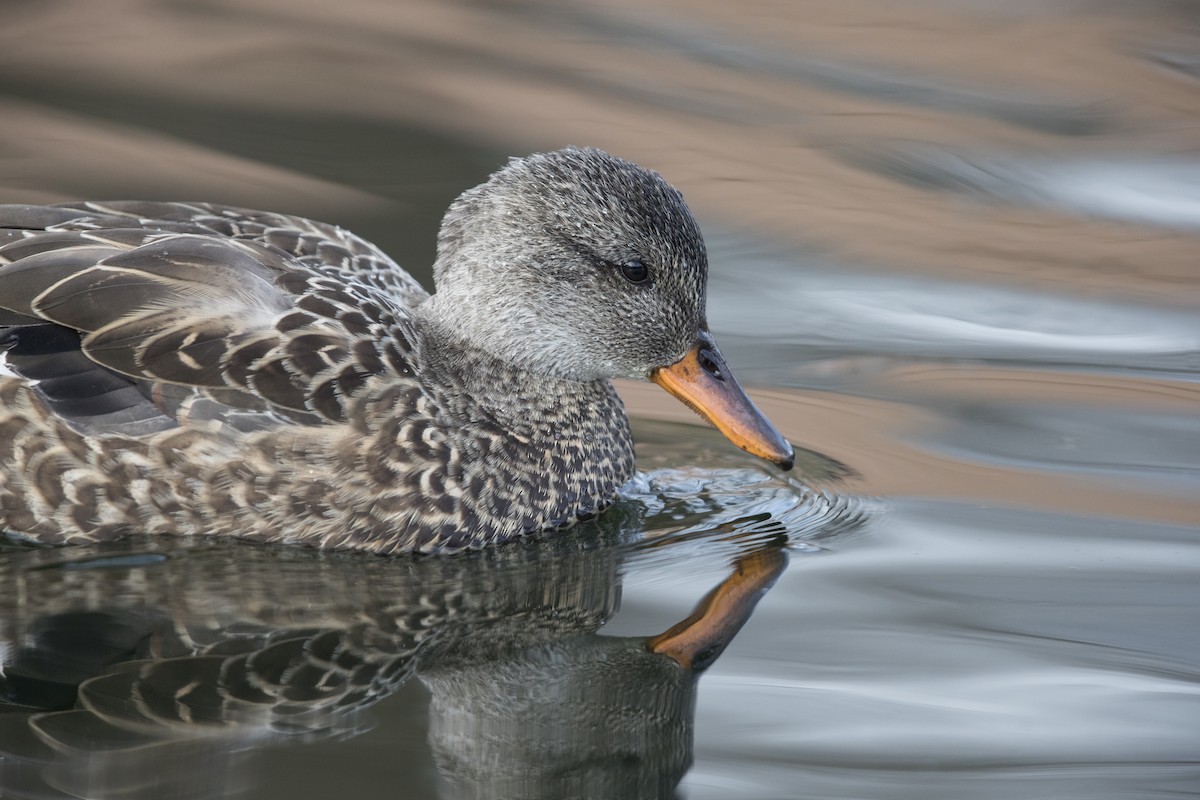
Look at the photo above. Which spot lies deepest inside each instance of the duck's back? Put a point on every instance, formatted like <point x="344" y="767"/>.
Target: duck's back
<point x="144" y="345"/>
<point x="128" y="317"/>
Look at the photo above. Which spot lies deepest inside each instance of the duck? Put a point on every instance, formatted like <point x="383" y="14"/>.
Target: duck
<point x="194" y="369"/>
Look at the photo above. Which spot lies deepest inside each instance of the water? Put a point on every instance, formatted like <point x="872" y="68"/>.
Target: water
<point x="954" y="246"/>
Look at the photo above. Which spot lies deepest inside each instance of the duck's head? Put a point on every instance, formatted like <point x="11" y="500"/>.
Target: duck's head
<point x="580" y="265"/>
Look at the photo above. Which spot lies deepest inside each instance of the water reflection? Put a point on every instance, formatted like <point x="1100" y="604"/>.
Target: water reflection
<point x="836" y="309"/>
<point x="1158" y="191"/>
<point x="886" y="83"/>
<point x="155" y="668"/>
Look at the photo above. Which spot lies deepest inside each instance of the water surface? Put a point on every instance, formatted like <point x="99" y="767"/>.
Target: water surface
<point x="953" y="246"/>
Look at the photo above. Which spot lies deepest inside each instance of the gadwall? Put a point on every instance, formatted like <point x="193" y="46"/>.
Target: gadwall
<point x="195" y="369"/>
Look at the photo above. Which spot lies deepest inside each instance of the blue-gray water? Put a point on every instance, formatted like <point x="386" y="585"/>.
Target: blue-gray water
<point x="954" y="246"/>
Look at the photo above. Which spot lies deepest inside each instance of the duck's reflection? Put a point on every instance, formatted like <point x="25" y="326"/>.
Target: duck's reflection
<point x="152" y="669"/>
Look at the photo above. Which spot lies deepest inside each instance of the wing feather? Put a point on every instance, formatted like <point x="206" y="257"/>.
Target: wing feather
<point x="26" y="279"/>
<point x="202" y="311"/>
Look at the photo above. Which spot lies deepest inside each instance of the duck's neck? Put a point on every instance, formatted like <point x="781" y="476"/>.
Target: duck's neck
<point x="487" y="324"/>
<point x="496" y="388"/>
<point x="559" y="447"/>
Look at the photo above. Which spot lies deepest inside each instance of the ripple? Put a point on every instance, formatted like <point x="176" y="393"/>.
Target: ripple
<point x="740" y="506"/>
<point x="1113" y="441"/>
<point x="1153" y="190"/>
<point x="837" y="308"/>
<point x="1029" y="108"/>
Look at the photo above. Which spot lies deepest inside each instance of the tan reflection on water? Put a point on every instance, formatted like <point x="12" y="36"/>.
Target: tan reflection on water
<point x="766" y="113"/>
<point x="879" y="439"/>
<point x="90" y="152"/>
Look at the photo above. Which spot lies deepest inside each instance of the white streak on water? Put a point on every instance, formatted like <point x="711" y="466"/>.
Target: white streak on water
<point x="795" y="299"/>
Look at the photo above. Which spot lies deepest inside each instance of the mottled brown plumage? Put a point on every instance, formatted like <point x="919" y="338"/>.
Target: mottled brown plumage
<point x="187" y="368"/>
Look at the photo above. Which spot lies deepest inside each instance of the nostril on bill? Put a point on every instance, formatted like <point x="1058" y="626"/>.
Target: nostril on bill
<point x="710" y="365"/>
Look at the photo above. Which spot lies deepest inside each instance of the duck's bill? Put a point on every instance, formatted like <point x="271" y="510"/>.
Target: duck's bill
<point x="704" y="383"/>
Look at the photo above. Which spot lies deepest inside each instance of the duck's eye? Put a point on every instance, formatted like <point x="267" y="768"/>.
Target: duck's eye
<point x="635" y="271"/>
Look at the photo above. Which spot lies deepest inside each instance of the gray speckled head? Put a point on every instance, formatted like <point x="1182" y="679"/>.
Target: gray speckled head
<point x="529" y="267"/>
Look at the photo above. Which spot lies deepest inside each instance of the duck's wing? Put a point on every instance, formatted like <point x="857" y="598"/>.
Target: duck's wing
<point x="136" y="316"/>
